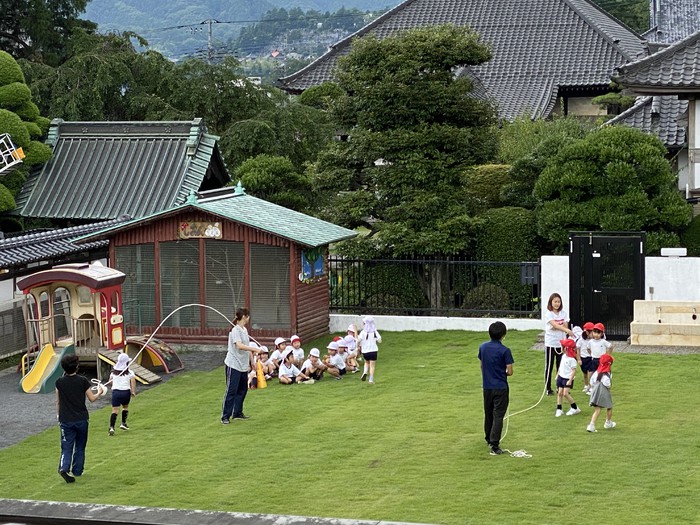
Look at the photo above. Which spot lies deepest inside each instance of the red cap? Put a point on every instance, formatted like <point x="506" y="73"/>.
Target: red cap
<point x="568" y="343"/>
<point x="604" y="363"/>
<point x="599" y="326"/>
<point x="588" y="326"/>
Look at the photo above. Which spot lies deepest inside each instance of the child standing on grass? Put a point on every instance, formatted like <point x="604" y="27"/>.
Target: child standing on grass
<point x="584" y="346"/>
<point x="73" y="417"/>
<point x="367" y="343"/>
<point x="496" y="365"/>
<point x="600" y="393"/>
<point x="598" y="344"/>
<point x="123" y="389"/>
<point x="556" y="327"/>
<point x="565" y="377"/>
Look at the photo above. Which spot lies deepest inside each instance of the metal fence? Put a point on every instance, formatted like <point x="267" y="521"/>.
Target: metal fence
<point x="13" y="338"/>
<point x="449" y="287"/>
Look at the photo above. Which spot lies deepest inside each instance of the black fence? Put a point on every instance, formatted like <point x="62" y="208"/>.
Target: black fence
<point x="450" y="287"/>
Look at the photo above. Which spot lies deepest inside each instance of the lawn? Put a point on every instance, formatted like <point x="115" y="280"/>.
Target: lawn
<point x="410" y="448"/>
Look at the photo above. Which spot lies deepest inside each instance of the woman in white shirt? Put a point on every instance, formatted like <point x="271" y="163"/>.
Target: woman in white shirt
<point x="556" y="328"/>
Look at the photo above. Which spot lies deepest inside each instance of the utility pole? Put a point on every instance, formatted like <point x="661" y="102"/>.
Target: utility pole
<point x="210" y="44"/>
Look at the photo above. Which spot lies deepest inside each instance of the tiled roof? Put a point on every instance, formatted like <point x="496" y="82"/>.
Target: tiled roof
<point x="101" y="170"/>
<point x="50" y="245"/>
<point x="675" y="69"/>
<point x="673" y="20"/>
<point x="538" y="47"/>
<point x="658" y="116"/>
<point x="233" y="204"/>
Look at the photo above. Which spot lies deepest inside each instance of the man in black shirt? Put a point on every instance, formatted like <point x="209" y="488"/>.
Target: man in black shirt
<point x="72" y="413"/>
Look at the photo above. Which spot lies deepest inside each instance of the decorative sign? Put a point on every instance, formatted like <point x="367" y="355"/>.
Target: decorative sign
<point x="198" y="230"/>
<point x="311" y="264"/>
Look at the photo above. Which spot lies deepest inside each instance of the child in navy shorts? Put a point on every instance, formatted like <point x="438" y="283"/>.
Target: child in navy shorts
<point x="123" y="389"/>
<point x="565" y="377"/>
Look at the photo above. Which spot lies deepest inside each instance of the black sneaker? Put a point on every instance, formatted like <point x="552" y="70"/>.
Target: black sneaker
<point x="67" y="477"/>
<point x="495" y="451"/>
<point x="225" y="421"/>
<point x="241" y="416"/>
<point x="364" y="377"/>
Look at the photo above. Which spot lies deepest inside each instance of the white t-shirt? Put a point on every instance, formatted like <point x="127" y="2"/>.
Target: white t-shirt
<point x="337" y="361"/>
<point x="298" y="354"/>
<point x="568" y="365"/>
<point x="585" y="347"/>
<point x="368" y="342"/>
<point x="276" y="356"/>
<point x="599" y="347"/>
<point x="122" y="382"/>
<point x="552" y="336"/>
<point x="288" y="371"/>
<point x="605" y="379"/>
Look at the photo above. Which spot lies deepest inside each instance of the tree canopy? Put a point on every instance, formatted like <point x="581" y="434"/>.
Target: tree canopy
<point x="614" y="179"/>
<point x="413" y="128"/>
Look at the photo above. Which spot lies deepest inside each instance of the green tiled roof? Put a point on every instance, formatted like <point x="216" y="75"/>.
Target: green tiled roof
<point x="235" y="205"/>
<point x="102" y="170"/>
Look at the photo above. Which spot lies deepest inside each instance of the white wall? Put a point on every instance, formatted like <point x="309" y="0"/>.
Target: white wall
<point x="672" y="279"/>
<point x="7" y="290"/>
<point x="397" y="323"/>
<point x="554" y="278"/>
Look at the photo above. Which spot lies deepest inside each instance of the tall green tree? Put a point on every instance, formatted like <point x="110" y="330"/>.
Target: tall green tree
<point x="614" y="179"/>
<point x="20" y="119"/>
<point x="38" y="29"/>
<point x="413" y="130"/>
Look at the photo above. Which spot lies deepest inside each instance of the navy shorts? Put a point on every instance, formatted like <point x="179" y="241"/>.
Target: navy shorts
<point x="120" y="397"/>
<point x="587" y="364"/>
<point x="561" y="382"/>
<point x="370" y="356"/>
<point x="343" y="371"/>
<point x="595" y="361"/>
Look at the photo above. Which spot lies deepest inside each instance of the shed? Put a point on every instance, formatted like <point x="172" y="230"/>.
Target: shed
<point x="224" y="249"/>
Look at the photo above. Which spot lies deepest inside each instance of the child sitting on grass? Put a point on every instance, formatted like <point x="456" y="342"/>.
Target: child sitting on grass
<point x="313" y="366"/>
<point x="288" y="372"/>
<point x="351" y="360"/>
<point x="335" y="363"/>
<point x="297" y="350"/>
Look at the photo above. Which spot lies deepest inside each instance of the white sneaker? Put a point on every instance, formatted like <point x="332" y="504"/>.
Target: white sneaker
<point x="585" y="389"/>
<point x="609" y="424"/>
<point x="558" y="413"/>
<point x="573" y="411"/>
<point x="591" y="428"/>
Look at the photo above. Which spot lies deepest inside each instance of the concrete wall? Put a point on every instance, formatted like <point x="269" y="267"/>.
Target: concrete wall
<point x="396" y="323"/>
<point x="672" y="279"/>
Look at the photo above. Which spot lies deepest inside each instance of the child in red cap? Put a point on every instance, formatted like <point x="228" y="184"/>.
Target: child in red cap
<point x="584" y="345"/>
<point x="600" y="393"/>
<point x="565" y="377"/>
<point x="598" y="345"/>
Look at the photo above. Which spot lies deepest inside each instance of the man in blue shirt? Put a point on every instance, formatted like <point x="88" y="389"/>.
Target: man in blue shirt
<point x="496" y="366"/>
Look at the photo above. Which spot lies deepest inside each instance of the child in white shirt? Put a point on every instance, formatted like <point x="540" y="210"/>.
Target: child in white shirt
<point x="600" y="393"/>
<point x="313" y="366"/>
<point x="276" y="356"/>
<point x="598" y="344"/>
<point x="367" y="343"/>
<point x="565" y="377"/>
<point x="298" y="351"/>
<point x="288" y="372"/>
<point x="123" y="389"/>
<point x="335" y="363"/>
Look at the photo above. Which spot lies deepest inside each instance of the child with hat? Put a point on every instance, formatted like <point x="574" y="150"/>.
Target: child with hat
<point x="123" y="388"/>
<point x="600" y="393"/>
<point x="288" y="371"/>
<point x="298" y="351"/>
<point x="565" y="377"/>
<point x="276" y="355"/>
<point x="335" y="363"/>
<point x="584" y="346"/>
<point x="367" y="343"/>
<point x="313" y="366"/>
<point x="598" y="345"/>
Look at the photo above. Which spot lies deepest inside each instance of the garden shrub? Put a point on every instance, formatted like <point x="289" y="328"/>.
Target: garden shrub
<point x="690" y="238"/>
<point x="486" y="297"/>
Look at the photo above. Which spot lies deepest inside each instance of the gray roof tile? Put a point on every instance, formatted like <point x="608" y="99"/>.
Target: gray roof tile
<point x="657" y="116"/>
<point x="49" y="245"/>
<point x="550" y="43"/>
<point x="673" y="20"/>
<point x="101" y="170"/>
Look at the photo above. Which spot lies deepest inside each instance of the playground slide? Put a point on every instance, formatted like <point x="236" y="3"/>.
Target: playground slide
<point x="47" y="368"/>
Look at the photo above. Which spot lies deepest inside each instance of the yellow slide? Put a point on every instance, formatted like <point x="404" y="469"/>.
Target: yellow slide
<point x="47" y="368"/>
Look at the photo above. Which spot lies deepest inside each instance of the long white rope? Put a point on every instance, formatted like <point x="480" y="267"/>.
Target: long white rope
<point x="99" y="386"/>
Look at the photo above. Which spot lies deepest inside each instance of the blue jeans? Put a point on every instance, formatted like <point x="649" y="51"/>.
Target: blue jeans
<point x="236" y="390"/>
<point x="74" y="435"/>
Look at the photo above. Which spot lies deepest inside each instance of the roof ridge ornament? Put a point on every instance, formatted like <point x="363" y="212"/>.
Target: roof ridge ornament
<point x="240" y="190"/>
<point x="191" y="198"/>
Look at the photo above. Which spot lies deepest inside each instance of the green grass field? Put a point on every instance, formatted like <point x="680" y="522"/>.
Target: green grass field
<point x="410" y="448"/>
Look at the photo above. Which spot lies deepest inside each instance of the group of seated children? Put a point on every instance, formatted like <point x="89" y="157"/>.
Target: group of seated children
<point x="288" y="364"/>
<point x="592" y="352"/>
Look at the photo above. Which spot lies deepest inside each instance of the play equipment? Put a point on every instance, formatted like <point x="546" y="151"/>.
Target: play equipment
<point x="80" y="305"/>
<point x="46" y="369"/>
<point x="10" y="155"/>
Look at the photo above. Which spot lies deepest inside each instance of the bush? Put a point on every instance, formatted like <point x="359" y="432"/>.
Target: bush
<point x="9" y="69"/>
<point x="484" y="184"/>
<point x="690" y="238"/>
<point x="487" y="297"/>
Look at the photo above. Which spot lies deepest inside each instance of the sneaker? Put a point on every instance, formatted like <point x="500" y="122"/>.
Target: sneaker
<point x="111" y="431"/>
<point x="591" y="428"/>
<point x="225" y="421"/>
<point x="550" y="392"/>
<point x="124" y="426"/>
<point x="573" y="411"/>
<point x="67" y="477"/>
<point x="495" y="451"/>
<point x="558" y="413"/>
<point x="241" y="416"/>
<point x="585" y="389"/>
<point x="338" y="378"/>
<point x="371" y="381"/>
<point x="308" y="382"/>
<point x="364" y="376"/>
<point x="609" y="424"/>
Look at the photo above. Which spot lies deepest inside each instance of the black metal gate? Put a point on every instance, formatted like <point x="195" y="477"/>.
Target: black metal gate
<point x="606" y="275"/>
